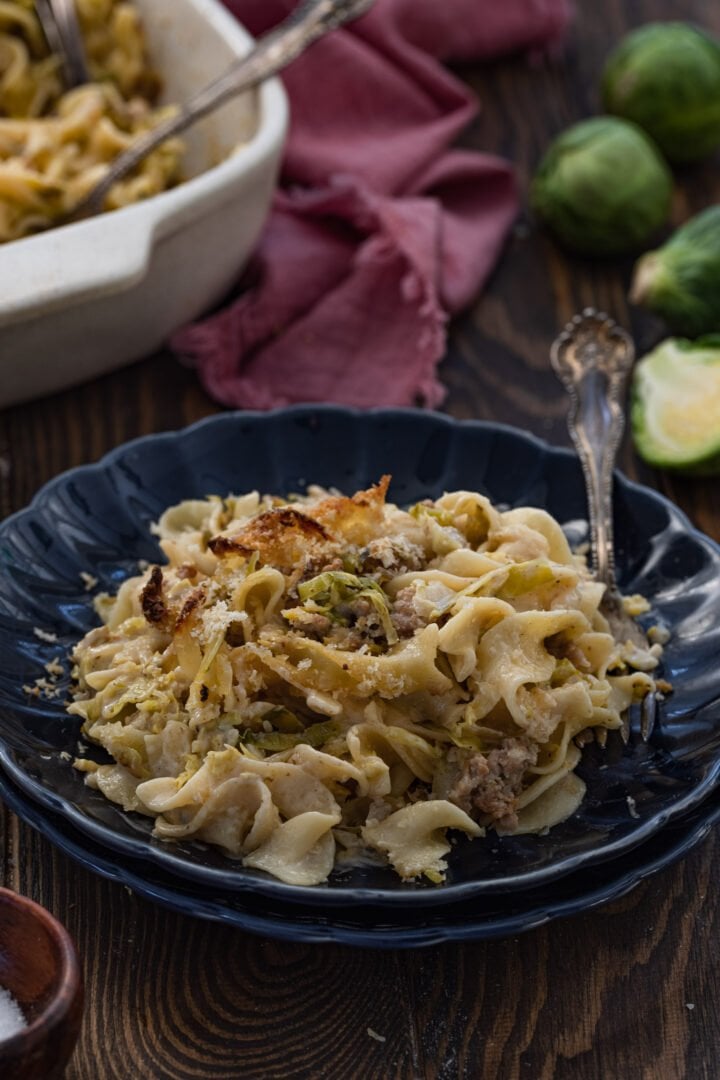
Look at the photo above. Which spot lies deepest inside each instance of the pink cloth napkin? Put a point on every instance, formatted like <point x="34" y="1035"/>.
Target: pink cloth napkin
<point x="378" y="231"/>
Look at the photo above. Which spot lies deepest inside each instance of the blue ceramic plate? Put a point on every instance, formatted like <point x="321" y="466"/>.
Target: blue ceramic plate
<point x="95" y="520"/>
<point x="376" y="926"/>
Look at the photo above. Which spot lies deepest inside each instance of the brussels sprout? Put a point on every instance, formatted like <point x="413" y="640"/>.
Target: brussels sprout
<point x="681" y="280"/>
<point x="666" y="78"/>
<point x="675" y="408"/>
<point x="602" y="187"/>
<point x="274" y="741"/>
<point x="334" y="592"/>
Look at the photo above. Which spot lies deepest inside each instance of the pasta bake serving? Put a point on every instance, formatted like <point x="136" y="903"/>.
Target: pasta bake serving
<point x="315" y="680"/>
<point x="55" y="146"/>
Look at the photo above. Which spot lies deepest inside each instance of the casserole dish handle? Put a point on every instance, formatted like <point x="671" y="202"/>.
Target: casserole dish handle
<point x="65" y="266"/>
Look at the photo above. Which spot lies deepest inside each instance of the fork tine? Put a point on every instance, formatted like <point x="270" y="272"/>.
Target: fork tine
<point x="49" y="27"/>
<point x="66" y="19"/>
<point x="648" y="716"/>
<point x="60" y="25"/>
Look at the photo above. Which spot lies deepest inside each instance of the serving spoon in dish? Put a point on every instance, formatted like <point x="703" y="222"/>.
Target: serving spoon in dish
<point x="593" y="357"/>
<point x="310" y="21"/>
<point x="60" y="25"/>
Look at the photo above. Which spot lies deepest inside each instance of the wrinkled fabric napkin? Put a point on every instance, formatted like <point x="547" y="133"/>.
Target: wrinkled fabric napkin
<point x="378" y="231"/>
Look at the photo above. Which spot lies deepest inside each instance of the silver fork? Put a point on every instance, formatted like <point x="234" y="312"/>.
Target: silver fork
<point x="593" y="357"/>
<point x="59" y="21"/>
<point x="310" y="21"/>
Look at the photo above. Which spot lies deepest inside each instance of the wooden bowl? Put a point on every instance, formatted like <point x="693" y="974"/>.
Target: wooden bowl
<point x="39" y="966"/>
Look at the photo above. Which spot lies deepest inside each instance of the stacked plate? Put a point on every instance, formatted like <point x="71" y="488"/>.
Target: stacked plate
<point x="646" y="804"/>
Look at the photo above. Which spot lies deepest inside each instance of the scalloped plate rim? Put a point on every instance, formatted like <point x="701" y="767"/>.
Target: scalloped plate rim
<point x="143" y="848"/>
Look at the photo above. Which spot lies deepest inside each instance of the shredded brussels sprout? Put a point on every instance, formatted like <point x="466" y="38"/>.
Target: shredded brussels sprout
<point x="333" y="593"/>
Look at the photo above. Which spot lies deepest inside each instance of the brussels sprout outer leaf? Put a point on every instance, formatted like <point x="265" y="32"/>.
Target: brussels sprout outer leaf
<point x="666" y="78"/>
<point x="681" y="280"/>
<point x="602" y="187"/>
<point x="275" y="741"/>
<point x="675" y="410"/>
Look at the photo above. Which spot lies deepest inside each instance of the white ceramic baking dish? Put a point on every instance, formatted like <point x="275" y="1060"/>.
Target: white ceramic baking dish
<point x="80" y="300"/>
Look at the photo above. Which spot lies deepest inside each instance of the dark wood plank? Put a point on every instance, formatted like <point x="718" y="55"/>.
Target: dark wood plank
<point x="602" y="996"/>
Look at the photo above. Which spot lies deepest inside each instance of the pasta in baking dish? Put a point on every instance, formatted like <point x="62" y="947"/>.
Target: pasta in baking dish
<point x="55" y="146"/>
<point x="311" y="679"/>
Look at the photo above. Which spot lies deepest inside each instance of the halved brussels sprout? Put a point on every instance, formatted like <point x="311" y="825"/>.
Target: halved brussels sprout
<point x="676" y="405"/>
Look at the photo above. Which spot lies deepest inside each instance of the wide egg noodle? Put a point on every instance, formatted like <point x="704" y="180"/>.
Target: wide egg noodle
<point x="513" y="666"/>
<point x="460" y="636"/>
<point x="260" y="595"/>
<point x="323" y="667"/>
<point x="300" y="852"/>
<point x="414" y="837"/>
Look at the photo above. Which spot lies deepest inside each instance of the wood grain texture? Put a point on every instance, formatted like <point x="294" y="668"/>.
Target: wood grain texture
<point x="630" y="991"/>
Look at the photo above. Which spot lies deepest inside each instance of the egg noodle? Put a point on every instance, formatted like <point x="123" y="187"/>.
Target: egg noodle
<point x="311" y="680"/>
<point x="55" y="146"/>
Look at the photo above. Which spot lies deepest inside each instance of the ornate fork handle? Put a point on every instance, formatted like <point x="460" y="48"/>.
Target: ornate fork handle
<point x="308" y="22"/>
<point x="593" y="357"/>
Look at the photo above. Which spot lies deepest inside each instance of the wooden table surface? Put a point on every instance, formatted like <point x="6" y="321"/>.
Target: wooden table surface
<point x="630" y="991"/>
